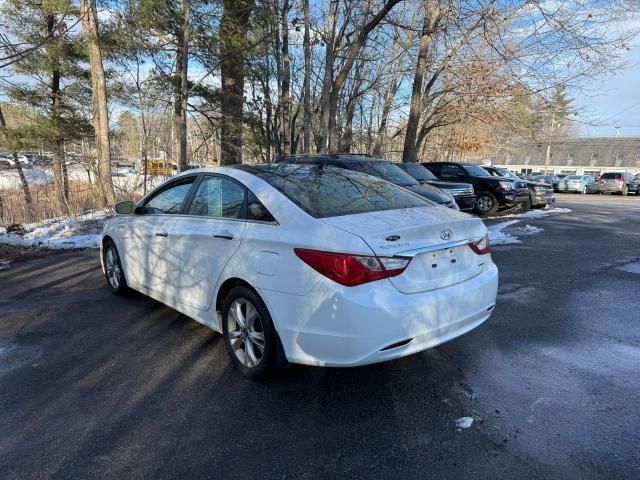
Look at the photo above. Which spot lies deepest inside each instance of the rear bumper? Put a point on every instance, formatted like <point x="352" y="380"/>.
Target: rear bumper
<point x="465" y="202"/>
<point x="346" y="327"/>
<point x="610" y="188"/>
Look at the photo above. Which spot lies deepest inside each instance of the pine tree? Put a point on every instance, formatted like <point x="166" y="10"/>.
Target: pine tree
<point x="52" y="79"/>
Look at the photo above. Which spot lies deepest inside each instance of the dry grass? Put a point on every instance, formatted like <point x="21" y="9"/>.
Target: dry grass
<point x="83" y="197"/>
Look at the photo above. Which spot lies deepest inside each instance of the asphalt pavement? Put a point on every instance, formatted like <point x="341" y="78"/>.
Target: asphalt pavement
<point x="98" y="386"/>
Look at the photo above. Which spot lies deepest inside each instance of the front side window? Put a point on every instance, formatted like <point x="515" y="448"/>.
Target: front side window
<point x="168" y="201"/>
<point x="452" y="171"/>
<point x="218" y="197"/>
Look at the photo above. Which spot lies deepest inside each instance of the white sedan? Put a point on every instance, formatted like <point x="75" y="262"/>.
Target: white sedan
<point x="303" y="263"/>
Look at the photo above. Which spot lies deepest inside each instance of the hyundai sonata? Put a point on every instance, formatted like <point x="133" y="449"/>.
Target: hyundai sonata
<point x="308" y="264"/>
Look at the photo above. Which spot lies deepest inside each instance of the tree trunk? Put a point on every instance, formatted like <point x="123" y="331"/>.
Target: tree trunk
<point x="57" y="140"/>
<point x="327" y="82"/>
<point x="285" y="92"/>
<point x="409" y="153"/>
<point x="233" y="31"/>
<point x="181" y="86"/>
<point x="306" y="146"/>
<point x="23" y="180"/>
<point x="89" y="15"/>
<point x="347" y="136"/>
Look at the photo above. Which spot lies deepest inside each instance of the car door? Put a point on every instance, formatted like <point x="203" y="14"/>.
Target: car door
<point x="145" y="238"/>
<point x="205" y="238"/>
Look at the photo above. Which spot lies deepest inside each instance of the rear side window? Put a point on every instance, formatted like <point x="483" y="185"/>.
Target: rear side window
<point x="257" y="211"/>
<point x="218" y="197"/>
<point x="168" y="201"/>
<point x="329" y="191"/>
<point x="611" y="175"/>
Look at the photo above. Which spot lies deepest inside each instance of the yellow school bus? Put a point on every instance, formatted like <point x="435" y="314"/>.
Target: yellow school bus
<point x="161" y="167"/>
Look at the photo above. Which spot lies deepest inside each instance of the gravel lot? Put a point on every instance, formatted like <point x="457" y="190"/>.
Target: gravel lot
<point x="97" y="386"/>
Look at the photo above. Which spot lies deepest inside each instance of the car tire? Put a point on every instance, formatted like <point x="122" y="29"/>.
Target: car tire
<point x="486" y="203"/>
<point x="113" y="271"/>
<point x="251" y="346"/>
<point x="625" y="191"/>
<point x="584" y="190"/>
<point x="526" y="205"/>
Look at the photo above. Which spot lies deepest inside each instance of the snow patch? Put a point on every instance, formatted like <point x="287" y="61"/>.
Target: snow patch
<point x="498" y="237"/>
<point x="538" y="213"/>
<point x="61" y="233"/>
<point x="532" y="229"/>
<point x="630" y="267"/>
<point x="464" y="422"/>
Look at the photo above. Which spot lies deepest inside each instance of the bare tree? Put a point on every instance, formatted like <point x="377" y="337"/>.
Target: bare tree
<point x="89" y="15"/>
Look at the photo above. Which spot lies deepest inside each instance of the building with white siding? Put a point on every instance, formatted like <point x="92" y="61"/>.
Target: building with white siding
<point x="582" y="156"/>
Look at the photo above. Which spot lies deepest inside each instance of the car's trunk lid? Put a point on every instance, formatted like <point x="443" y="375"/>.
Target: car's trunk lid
<point x="435" y="239"/>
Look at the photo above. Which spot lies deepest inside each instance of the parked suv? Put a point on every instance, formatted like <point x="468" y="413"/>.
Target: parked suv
<point x="462" y="192"/>
<point x="540" y="194"/>
<point x="492" y="193"/>
<point x="618" y="182"/>
<point x="378" y="168"/>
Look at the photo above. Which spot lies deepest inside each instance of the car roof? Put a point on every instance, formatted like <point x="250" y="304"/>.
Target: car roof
<point x="328" y="157"/>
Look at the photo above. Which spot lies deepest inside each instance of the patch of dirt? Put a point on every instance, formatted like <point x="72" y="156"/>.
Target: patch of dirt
<point x="10" y="252"/>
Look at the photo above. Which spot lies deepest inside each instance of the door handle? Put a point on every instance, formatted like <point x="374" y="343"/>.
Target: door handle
<point x="224" y="235"/>
<point x="161" y="234"/>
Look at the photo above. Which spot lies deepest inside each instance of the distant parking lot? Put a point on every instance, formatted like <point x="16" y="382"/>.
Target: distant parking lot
<point x="94" y="386"/>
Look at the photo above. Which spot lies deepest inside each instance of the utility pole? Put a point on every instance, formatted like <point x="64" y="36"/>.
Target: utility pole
<point x="547" y="157"/>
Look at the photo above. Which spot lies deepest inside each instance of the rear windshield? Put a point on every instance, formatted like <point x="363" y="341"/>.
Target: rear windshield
<point x="573" y="177"/>
<point x="611" y="175"/>
<point x="417" y="171"/>
<point x="330" y="191"/>
<point x="385" y="170"/>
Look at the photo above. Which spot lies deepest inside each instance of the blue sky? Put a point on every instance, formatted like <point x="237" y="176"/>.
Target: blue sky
<point x="612" y="101"/>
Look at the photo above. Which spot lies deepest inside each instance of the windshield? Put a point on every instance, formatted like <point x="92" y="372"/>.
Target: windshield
<point x="387" y="171"/>
<point x="330" y="191"/>
<point x="573" y="177"/>
<point x="418" y="172"/>
<point x="476" y="171"/>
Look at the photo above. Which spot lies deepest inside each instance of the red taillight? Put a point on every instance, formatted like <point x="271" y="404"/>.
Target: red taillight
<point x="481" y="247"/>
<point x="352" y="270"/>
<point x="619" y="179"/>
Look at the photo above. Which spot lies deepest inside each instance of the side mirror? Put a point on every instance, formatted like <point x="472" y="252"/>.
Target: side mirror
<point x="125" y="208"/>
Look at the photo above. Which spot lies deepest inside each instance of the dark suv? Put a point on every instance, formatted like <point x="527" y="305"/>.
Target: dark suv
<point x="492" y="193"/>
<point x="378" y="168"/>
<point x="462" y="192"/>
<point x="618" y="182"/>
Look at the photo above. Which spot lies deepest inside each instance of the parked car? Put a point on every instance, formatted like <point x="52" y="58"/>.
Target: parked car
<point x="552" y="180"/>
<point x="308" y="264"/>
<point x="618" y="182"/>
<point x="540" y="194"/>
<point x="578" y="183"/>
<point x="462" y="192"/>
<point x="7" y="162"/>
<point x="492" y="193"/>
<point x="378" y="168"/>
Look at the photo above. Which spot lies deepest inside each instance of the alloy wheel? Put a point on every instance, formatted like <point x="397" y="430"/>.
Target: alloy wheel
<point x="113" y="268"/>
<point x="246" y="333"/>
<point x="484" y="203"/>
